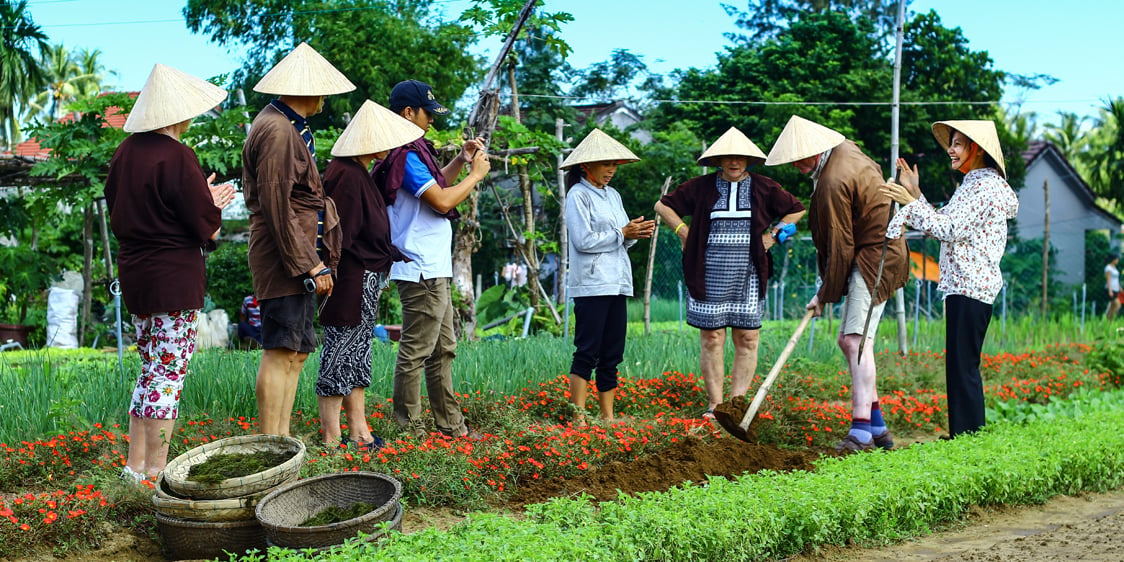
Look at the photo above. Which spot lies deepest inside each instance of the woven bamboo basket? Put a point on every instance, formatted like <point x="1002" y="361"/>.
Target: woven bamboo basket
<point x="175" y="474"/>
<point x="207" y="540"/>
<point x="240" y="508"/>
<point x="283" y="510"/>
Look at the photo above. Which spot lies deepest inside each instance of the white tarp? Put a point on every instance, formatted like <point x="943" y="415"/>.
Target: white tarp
<point x="62" y="318"/>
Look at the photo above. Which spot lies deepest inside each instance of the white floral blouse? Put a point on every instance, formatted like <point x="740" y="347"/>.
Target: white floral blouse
<point x="972" y="229"/>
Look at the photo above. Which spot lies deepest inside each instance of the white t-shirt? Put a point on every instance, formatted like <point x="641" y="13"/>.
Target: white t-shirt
<point x="418" y="231"/>
<point x="1113" y="278"/>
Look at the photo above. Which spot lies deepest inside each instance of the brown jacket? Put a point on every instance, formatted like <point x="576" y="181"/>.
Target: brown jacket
<point x="162" y="214"/>
<point x="284" y="196"/>
<point x="848" y="215"/>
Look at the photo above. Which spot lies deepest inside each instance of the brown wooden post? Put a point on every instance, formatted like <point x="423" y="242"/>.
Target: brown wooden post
<point x="1046" y="248"/>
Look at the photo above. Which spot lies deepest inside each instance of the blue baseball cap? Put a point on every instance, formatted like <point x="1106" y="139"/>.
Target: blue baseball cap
<point x="413" y="93"/>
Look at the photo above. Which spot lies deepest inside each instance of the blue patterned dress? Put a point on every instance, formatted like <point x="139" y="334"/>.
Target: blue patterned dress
<point x="732" y="285"/>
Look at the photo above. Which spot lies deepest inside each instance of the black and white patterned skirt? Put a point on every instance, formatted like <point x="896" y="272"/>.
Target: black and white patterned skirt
<point x="345" y="358"/>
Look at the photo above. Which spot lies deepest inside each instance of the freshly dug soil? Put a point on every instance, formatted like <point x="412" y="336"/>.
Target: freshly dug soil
<point x="221" y="466"/>
<point x="690" y="460"/>
<point x="732" y="412"/>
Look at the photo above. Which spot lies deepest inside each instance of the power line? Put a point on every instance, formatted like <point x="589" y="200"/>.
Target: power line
<point x="858" y="103"/>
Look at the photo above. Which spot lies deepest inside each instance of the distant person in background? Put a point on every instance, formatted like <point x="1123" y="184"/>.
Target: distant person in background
<point x="290" y="261"/>
<point x="1112" y="283"/>
<point x="736" y="217"/>
<point x="600" y="279"/>
<point x="972" y="229"/>
<point x="847" y="216"/>
<point x="249" y="323"/>
<point x="349" y="316"/>
<point x="164" y="212"/>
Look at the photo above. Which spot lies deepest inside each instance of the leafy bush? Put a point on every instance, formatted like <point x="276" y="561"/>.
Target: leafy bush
<point x="228" y="276"/>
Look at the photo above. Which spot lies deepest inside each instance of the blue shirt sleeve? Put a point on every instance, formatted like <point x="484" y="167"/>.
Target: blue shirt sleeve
<point x="416" y="178"/>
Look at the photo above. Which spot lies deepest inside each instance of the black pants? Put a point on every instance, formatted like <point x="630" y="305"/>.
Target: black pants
<point x="600" y="324"/>
<point x="966" y="321"/>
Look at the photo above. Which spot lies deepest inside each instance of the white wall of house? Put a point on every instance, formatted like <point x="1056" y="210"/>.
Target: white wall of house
<point x="1072" y="213"/>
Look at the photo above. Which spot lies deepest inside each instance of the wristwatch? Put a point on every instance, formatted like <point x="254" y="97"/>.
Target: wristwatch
<point x="310" y="282"/>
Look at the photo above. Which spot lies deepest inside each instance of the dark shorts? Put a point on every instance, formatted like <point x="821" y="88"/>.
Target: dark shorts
<point x="286" y="322"/>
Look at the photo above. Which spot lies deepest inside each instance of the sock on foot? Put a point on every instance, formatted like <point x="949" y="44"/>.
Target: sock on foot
<point x="877" y="424"/>
<point x="861" y="430"/>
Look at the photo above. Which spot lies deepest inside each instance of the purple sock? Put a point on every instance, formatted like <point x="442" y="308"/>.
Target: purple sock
<point x="877" y="425"/>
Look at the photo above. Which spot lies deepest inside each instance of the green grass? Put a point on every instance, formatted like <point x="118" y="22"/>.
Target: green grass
<point x="44" y="392"/>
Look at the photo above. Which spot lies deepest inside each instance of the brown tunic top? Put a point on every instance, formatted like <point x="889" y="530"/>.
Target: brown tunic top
<point x="848" y="216"/>
<point x="162" y="214"/>
<point x="284" y="196"/>
<point x="696" y="197"/>
<point x="365" y="239"/>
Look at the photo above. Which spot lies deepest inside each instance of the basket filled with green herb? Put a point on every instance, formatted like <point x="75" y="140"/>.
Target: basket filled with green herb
<point x="327" y="510"/>
<point x="235" y="466"/>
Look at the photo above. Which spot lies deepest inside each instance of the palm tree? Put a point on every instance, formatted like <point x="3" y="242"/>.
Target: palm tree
<point x="1067" y="135"/>
<point x="94" y="74"/>
<point x="63" y="78"/>
<point x="21" y="40"/>
<point x="1106" y="154"/>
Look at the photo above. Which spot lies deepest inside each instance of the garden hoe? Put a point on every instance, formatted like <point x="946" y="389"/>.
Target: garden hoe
<point x="741" y="429"/>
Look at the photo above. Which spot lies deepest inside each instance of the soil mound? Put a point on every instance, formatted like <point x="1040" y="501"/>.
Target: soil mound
<point x="690" y="460"/>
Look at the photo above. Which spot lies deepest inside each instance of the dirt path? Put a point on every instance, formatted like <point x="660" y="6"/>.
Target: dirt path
<point x="1089" y="527"/>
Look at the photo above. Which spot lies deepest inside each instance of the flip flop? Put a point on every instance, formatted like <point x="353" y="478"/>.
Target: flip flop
<point x="708" y="414"/>
<point x="374" y="444"/>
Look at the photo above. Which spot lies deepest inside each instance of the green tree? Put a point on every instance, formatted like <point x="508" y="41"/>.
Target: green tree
<point x="64" y="76"/>
<point x="1068" y="135"/>
<point x="74" y="175"/>
<point x="1106" y="157"/>
<point x="840" y="66"/>
<point x="767" y="18"/>
<point x="21" y="41"/>
<point x="94" y="74"/>
<point x="376" y="44"/>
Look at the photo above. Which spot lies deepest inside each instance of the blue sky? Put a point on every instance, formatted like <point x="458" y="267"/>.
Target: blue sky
<point x="1079" y="42"/>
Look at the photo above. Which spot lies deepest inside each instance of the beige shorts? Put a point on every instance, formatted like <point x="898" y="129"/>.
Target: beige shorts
<point x="855" y="305"/>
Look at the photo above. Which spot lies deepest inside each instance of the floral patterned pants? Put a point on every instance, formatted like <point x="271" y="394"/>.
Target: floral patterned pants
<point x="166" y="343"/>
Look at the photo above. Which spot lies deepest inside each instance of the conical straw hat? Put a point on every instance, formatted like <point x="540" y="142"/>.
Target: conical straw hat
<point x="304" y="72"/>
<point x="598" y="147"/>
<point x="732" y="143"/>
<point x="169" y="97"/>
<point x="800" y="139"/>
<point x="375" y="129"/>
<point x="981" y="132"/>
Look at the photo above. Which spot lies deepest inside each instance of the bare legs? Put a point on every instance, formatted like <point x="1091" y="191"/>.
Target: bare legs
<point x="278" y="375"/>
<point x="353" y="407"/>
<point x="712" y="362"/>
<point x="863" y="375"/>
<point x="579" y="392"/>
<point x="148" y="445"/>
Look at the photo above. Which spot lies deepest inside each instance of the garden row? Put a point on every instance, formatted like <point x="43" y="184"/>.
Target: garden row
<point x="72" y="475"/>
<point x="867" y="499"/>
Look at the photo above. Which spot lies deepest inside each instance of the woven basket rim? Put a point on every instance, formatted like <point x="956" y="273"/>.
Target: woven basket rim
<point x="354" y="522"/>
<point x="181" y="522"/>
<point x="169" y="496"/>
<point x="201" y="453"/>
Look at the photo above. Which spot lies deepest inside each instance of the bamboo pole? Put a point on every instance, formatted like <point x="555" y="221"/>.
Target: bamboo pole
<point x="651" y="263"/>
